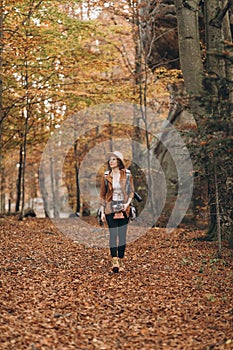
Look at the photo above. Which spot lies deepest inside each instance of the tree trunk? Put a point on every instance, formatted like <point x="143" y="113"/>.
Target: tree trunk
<point x="2" y="186"/>
<point x="2" y="176"/>
<point x="228" y="37"/>
<point x="217" y="28"/>
<point x="210" y="107"/>
<point x="136" y="149"/>
<point x="54" y="189"/>
<point x="219" y="235"/>
<point x="26" y="115"/>
<point x="19" y="180"/>
<point x="78" y="206"/>
<point x="1" y="49"/>
<point x="189" y="46"/>
<point x="214" y="40"/>
<point x="44" y="193"/>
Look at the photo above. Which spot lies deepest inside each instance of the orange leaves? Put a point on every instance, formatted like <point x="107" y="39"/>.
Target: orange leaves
<point x="203" y="143"/>
<point x="58" y="294"/>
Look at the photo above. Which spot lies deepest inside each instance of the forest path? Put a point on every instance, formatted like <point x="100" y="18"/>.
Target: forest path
<point x="59" y="294"/>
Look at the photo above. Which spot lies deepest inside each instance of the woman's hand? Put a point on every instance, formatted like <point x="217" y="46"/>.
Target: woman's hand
<point x="103" y="218"/>
<point x="125" y="206"/>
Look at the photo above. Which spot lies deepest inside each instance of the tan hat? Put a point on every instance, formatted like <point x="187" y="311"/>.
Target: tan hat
<point x="116" y="154"/>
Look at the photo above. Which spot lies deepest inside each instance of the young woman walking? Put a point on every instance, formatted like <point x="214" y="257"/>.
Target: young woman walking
<point x="116" y="193"/>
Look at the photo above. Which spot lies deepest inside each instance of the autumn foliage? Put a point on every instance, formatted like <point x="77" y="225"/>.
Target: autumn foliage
<point x="60" y="59"/>
<point x="59" y="294"/>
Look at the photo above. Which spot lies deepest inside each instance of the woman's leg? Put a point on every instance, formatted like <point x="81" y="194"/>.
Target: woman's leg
<point x="113" y="230"/>
<point x="122" y="230"/>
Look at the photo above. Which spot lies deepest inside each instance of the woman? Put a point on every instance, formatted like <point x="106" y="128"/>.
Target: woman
<point x="115" y="198"/>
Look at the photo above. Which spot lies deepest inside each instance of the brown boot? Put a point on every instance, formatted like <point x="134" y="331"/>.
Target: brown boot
<point x="121" y="265"/>
<point x="115" y="265"/>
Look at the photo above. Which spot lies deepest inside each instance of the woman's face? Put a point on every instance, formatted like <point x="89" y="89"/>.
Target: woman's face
<point x="113" y="162"/>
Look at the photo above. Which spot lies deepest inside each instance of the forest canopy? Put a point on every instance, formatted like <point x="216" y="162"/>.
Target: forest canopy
<point x="61" y="57"/>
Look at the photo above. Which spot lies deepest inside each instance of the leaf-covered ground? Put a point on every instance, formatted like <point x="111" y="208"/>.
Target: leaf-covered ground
<point x="58" y="294"/>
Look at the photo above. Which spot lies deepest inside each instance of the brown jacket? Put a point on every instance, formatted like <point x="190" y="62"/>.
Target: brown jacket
<point x="106" y="192"/>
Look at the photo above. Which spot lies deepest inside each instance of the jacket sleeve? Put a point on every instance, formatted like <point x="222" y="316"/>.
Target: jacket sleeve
<point x="103" y="192"/>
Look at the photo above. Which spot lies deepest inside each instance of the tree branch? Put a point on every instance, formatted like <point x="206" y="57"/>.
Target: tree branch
<point x="188" y="6"/>
<point x="217" y="20"/>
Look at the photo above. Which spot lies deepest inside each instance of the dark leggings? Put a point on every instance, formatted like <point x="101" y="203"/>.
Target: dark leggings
<point x="117" y="229"/>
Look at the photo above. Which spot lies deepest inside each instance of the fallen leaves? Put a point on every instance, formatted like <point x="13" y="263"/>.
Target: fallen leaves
<point x="58" y="294"/>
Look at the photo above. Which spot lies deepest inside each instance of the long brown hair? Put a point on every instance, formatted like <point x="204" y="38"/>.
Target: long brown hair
<point x="120" y="164"/>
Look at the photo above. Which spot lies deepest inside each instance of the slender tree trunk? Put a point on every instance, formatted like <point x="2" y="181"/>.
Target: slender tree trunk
<point x="217" y="212"/>
<point x="2" y="175"/>
<point x="143" y="68"/>
<point x="9" y="205"/>
<point x="26" y="115"/>
<point x="44" y="193"/>
<point x="19" y="180"/>
<point x="78" y="206"/>
<point x="110" y="132"/>
<point x="53" y="189"/>
<point x="1" y="50"/>
<point x="136" y="149"/>
<point x="57" y="197"/>
<point x="211" y="233"/>
<point x="2" y="185"/>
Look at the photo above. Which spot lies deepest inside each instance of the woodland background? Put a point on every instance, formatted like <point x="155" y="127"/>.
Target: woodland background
<point x="62" y="58"/>
<point x="59" y="58"/>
